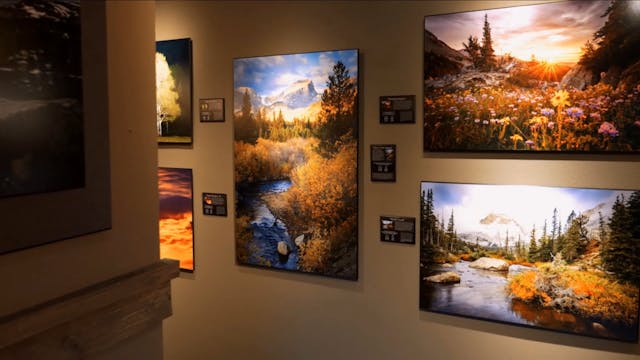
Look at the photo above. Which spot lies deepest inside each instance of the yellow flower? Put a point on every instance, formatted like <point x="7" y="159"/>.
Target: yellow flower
<point x="560" y="98"/>
<point x="516" y="138"/>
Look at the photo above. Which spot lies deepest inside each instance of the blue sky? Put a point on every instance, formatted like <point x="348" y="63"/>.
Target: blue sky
<point x="528" y="205"/>
<point x="269" y="75"/>
<point x="554" y="32"/>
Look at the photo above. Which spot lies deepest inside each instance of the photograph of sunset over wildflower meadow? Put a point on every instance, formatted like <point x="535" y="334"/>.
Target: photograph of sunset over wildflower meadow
<point x="552" y="77"/>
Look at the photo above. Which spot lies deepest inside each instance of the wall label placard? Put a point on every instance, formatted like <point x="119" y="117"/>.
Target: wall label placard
<point x="383" y="163"/>
<point x="398" y="109"/>
<point x="398" y="229"/>
<point x="214" y="204"/>
<point x="212" y="110"/>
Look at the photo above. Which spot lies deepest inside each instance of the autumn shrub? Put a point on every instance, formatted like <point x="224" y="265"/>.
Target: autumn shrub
<point x="586" y="293"/>
<point x="270" y="160"/>
<point x="322" y="201"/>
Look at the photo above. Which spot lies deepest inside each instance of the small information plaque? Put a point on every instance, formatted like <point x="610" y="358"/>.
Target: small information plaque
<point x="212" y="110"/>
<point x="399" y="109"/>
<point x="398" y="229"/>
<point x="383" y="163"/>
<point x="214" y="204"/>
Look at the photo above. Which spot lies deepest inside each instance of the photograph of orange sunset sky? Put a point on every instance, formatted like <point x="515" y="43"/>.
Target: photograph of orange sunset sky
<point x="176" y="216"/>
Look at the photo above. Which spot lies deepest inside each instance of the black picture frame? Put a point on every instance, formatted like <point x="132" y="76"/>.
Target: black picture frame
<point x="276" y="131"/>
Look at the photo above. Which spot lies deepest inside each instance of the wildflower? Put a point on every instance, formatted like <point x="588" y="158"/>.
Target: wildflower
<point x="551" y="124"/>
<point x="485" y="122"/>
<point x="637" y="123"/>
<point x="607" y="128"/>
<point x="456" y="118"/>
<point x="516" y="138"/>
<point x="574" y="112"/>
<point x="504" y="121"/>
<point x="595" y="115"/>
<point x="493" y="121"/>
<point x="560" y="98"/>
<point x="547" y="112"/>
<point x="529" y="142"/>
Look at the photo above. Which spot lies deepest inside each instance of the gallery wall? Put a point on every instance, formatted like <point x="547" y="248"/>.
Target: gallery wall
<point x="226" y="311"/>
<point x="39" y="274"/>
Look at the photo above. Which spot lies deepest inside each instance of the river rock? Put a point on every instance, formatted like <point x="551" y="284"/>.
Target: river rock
<point x="283" y="248"/>
<point x="492" y="264"/>
<point x="519" y="269"/>
<point x="299" y="241"/>
<point x="448" y="277"/>
<point x="447" y="265"/>
<point x="578" y="77"/>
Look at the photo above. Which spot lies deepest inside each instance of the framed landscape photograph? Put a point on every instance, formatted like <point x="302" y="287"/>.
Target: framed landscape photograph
<point x="54" y="133"/>
<point x="173" y="91"/>
<point x="556" y="258"/>
<point x="523" y="79"/>
<point x="175" y="187"/>
<point x="295" y="122"/>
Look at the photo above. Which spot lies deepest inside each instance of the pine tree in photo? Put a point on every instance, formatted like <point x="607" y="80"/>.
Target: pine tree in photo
<point x="338" y="119"/>
<point x="487" y="54"/>
<point x="533" y="246"/>
<point x="472" y="47"/>
<point x="576" y="238"/>
<point x="622" y="251"/>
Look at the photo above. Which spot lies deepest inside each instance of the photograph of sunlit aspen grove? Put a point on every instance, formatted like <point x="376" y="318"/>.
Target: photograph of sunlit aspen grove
<point x="173" y="91"/>
<point x="175" y="189"/>
<point x="296" y="157"/>
<point x="557" y="258"/>
<point x="557" y="77"/>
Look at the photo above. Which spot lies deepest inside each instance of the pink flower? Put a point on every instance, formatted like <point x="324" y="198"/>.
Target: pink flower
<point x="607" y="128"/>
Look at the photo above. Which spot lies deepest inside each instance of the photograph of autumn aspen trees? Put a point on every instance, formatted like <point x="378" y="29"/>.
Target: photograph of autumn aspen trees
<point x="296" y="158"/>
<point x="564" y="259"/>
<point x="173" y="91"/>
<point x="558" y="77"/>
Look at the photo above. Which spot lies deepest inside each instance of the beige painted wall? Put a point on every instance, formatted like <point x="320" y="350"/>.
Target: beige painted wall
<point x="39" y="274"/>
<point x="225" y="311"/>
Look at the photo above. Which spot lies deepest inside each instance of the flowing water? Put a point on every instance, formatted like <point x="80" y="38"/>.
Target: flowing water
<point x="483" y="294"/>
<point x="267" y="229"/>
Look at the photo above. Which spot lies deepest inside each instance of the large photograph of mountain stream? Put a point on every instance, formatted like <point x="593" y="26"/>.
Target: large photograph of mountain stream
<point x="556" y="77"/>
<point x="557" y="258"/>
<point x="296" y="158"/>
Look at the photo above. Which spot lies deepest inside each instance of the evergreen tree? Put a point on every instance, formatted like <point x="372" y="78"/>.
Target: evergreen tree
<point x="622" y="255"/>
<point x="554" y="231"/>
<point x="576" y="238"/>
<point x="338" y="121"/>
<point x="451" y="236"/>
<point x="472" y="47"/>
<point x="617" y="41"/>
<point x="245" y="126"/>
<point x="533" y="246"/>
<point x="544" y="251"/>
<point x="488" y="60"/>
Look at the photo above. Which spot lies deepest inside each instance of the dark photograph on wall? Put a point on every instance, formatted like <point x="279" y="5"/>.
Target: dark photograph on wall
<point x="557" y="258"/>
<point x="296" y="159"/>
<point x="175" y="188"/>
<point x="41" y="115"/>
<point x="173" y="91"/>
<point x="522" y="79"/>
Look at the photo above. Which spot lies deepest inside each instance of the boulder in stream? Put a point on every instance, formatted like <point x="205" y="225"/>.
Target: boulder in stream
<point x="448" y="277"/>
<point x="519" y="269"/>
<point x="283" y="248"/>
<point x="486" y="263"/>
